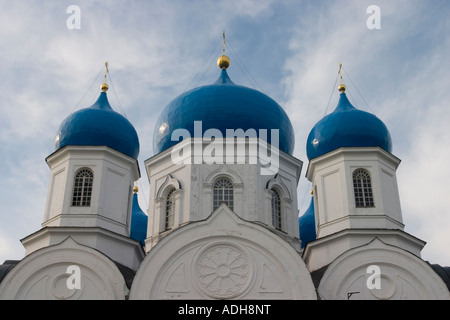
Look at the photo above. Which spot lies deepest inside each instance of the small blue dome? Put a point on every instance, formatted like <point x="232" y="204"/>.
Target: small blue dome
<point x="307" y="225"/>
<point x="139" y="220"/>
<point x="99" y="125"/>
<point x="223" y="105"/>
<point x="347" y="126"/>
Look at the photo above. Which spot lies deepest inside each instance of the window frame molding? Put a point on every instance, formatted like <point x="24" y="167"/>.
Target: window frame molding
<point x="169" y="185"/>
<point x="169" y="214"/>
<point x="222" y="171"/>
<point x="223" y="178"/>
<point x="74" y="188"/>
<point x="277" y="184"/>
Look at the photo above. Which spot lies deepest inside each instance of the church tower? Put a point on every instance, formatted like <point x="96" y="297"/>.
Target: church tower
<point x="353" y="228"/>
<point x="93" y="170"/>
<point x="353" y="175"/>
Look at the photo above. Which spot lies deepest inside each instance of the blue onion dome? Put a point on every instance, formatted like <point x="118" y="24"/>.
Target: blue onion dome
<point x="347" y="126"/>
<point x="99" y="125"/>
<point x="139" y="220"/>
<point x="307" y="225"/>
<point x="223" y="105"/>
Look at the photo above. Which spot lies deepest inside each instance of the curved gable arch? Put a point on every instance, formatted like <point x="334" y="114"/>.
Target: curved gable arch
<point x="43" y="275"/>
<point x="167" y="185"/>
<point x="380" y="271"/>
<point x="278" y="205"/>
<point x="278" y="184"/>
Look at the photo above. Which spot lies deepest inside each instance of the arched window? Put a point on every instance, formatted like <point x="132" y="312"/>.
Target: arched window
<point x="82" y="190"/>
<point x="170" y="210"/>
<point x="276" y="210"/>
<point x="362" y="187"/>
<point x="223" y="193"/>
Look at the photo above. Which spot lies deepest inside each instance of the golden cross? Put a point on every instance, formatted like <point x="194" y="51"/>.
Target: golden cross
<point x="223" y="42"/>
<point x="106" y="70"/>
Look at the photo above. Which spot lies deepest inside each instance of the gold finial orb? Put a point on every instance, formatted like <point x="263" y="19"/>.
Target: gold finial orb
<point x="223" y="62"/>
<point x="135" y="189"/>
<point x="104" y="87"/>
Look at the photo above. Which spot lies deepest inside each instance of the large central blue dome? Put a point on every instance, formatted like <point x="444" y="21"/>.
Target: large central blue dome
<point x="223" y="105"/>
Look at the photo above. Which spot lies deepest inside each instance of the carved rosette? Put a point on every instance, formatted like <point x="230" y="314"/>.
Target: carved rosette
<point x="223" y="271"/>
<point x="56" y="287"/>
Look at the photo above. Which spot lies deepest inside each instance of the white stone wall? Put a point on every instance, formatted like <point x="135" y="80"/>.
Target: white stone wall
<point x="222" y="257"/>
<point x="335" y="209"/>
<point x="194" y="184"/>
<point x="114" y="176"/>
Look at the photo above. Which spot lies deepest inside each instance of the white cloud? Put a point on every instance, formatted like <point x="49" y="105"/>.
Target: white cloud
<point x="156" y="48"/>
<point x="153" y="48"/>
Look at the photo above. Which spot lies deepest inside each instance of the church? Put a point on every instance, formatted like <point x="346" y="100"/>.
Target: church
<point x="223" y="220"/>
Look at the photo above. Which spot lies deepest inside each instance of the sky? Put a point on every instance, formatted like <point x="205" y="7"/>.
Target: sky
<point x="288" y="49"/>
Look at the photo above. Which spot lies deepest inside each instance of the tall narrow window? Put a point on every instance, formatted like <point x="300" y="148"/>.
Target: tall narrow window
<point x="223" y="193"/>
<point x="276" y="210"/>
<point x="82" y="190"/>
<point x="170" y="210"/>
<point x="362" y="187"/>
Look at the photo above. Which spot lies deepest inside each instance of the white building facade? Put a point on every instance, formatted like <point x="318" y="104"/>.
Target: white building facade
<point x="223" y="220"/>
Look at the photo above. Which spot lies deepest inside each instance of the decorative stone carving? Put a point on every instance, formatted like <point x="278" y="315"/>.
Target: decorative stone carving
<point x="223" y="270"/>
<point x="56" y="287"/>
<point x="43" y="275"/>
